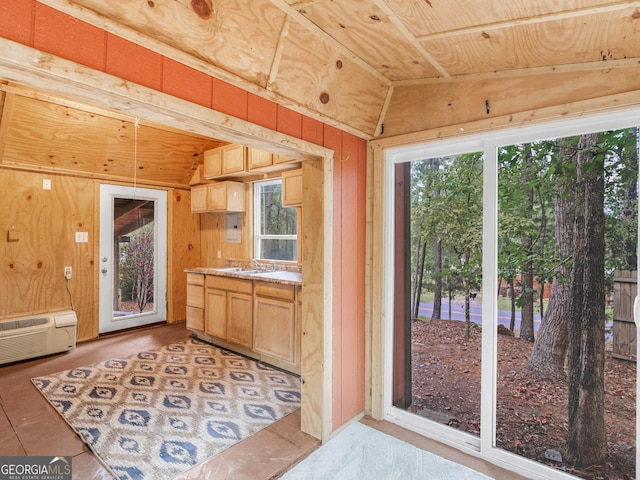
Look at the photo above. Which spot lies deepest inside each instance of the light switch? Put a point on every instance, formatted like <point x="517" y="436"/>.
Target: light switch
<point x="82" y="237"/>
<point x="46" y="184"/>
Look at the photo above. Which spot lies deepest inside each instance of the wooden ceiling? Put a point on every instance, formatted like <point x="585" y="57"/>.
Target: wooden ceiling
<point x="43" y="132"/>
<point x="340" y="60"/>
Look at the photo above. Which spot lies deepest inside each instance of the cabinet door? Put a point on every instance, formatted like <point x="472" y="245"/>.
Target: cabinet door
<point x="217" y="197"/>
<point x="240" y="319"/>
<point x="292" y="188"/>
<point x="278" y="159"/>
<point x="259" y="159"/>
<point x="212" y="163"/>
<point x="216" y="313"/>
<point x="233" y="159"/>
<point x="195" y="318"/>
<point x="199" y="199"/>
<point x="275" y="330"/>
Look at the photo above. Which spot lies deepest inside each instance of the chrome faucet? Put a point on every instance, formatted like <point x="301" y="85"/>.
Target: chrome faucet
<point x="254" y="262"/>
<point x="273" y="265"/>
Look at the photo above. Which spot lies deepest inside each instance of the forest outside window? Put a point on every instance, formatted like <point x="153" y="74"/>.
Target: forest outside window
<point x="275" y="227"/>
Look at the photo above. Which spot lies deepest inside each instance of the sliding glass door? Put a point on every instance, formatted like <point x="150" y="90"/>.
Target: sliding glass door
<point x="517" y="339"/>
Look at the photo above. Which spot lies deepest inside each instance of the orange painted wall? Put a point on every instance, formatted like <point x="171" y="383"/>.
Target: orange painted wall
<point x="44" y="28"/>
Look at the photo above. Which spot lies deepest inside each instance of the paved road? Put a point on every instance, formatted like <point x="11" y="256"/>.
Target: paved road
<point x="457" y="313"/>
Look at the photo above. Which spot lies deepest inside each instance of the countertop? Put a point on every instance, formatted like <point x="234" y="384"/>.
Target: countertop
<point x="275" y="276"/>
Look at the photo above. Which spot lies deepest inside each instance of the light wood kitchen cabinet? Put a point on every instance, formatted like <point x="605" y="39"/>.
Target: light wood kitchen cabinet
<point x="219" y="197"/>
<point x="195" y="301"/>
<point x="226" y="161"/>
<point x="240" y="319"/>
<point x="226" y="197"/>
<point x="275" y="330"/>
<point x="229" y="310"/>
<point x="257" y="159"/>
<point x="199" y="199"/>
<point x="292" y="188"/>
<point x="216" y="313"/>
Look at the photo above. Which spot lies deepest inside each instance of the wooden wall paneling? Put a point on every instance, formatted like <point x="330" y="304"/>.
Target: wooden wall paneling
<point x="46" y="221"/>
<point x="431" y="105"/>
<point x="184" y="251"/>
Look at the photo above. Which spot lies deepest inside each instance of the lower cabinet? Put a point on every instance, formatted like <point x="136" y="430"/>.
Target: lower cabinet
<point x="229" y="310"/>
<point x="276" y="327"/>
<point x="261" y="317"/>
<point x="240" y="319"/>
<point x="195" y="301"/>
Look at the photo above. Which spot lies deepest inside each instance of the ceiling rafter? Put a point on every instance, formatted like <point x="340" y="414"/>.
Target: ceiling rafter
<point x="277" y="56"/>
<point x="322" y="35"/>
<point x="526" y="72"/>
<point x="549" y="17"/>
<point x="382" y="5"/>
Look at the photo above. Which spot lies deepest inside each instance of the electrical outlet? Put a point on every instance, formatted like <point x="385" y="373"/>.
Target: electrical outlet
<point x="67" y="272"/>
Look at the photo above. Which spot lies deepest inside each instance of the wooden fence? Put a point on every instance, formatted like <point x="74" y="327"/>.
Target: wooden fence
<point x="625" y="287"/>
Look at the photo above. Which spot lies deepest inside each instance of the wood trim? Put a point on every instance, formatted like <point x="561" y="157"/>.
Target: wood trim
<point x="277" y="57"/>
<point x="595" y="106"/>
<point x="632" y="62"/>
<point x="375" y="287"/>
<point x="382" y="5"/>
<point x="316" y="324"/>
<point x="64" y="78"/>
<point x="549" y="17"/>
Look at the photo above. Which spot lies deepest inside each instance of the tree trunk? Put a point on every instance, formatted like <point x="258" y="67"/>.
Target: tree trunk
<point x="512" y="291"/>
<point x="526" y="315"/>
<point x="586" y="437"/>
<point x="437" y="290"/>
<point x="549" y="353"/>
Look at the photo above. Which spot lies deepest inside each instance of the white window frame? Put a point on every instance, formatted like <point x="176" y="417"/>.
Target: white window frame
<point x="257" y="213"/>
<point x="484" y="446"/>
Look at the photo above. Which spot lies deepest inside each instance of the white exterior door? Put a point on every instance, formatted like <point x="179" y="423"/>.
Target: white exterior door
<point x="133" y="257"/>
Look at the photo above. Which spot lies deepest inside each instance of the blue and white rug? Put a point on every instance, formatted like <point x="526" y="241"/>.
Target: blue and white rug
<point x="157" y="414"/>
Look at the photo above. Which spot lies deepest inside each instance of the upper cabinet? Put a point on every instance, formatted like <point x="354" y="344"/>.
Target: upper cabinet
<point x="227" y="161"/>
<point x="218" y="197"/>
<point x="238" y="161"/>
<point x="292" y="188"/>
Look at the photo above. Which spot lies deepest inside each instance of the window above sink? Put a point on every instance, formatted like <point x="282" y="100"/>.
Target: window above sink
<point x="275" y="226"/>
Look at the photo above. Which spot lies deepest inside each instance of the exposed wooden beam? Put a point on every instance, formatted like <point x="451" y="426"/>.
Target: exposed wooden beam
<point x="527" y="72"/>
<point x="324" y="37"/>
<point x="549" y="17"/>
<point x="385" y="107"/>
<point x="277" y="57"/>
<point x="382" y="5"/>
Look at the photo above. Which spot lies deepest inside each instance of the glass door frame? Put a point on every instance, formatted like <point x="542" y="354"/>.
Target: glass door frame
<point x="108" y="193"/>
<point x="488" y="142"/>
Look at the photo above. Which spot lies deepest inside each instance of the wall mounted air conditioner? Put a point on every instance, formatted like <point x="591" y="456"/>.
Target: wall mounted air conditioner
<point x="37" y="335"/>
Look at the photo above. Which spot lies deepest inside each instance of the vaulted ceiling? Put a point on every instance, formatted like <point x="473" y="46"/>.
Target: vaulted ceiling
<point x="341" y="60"/>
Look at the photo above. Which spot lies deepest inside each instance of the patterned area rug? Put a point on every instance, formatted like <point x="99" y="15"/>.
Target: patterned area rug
<point x="157" y="414"/>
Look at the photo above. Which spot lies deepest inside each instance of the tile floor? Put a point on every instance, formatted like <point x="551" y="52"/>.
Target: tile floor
<point x="30" y="426"/>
